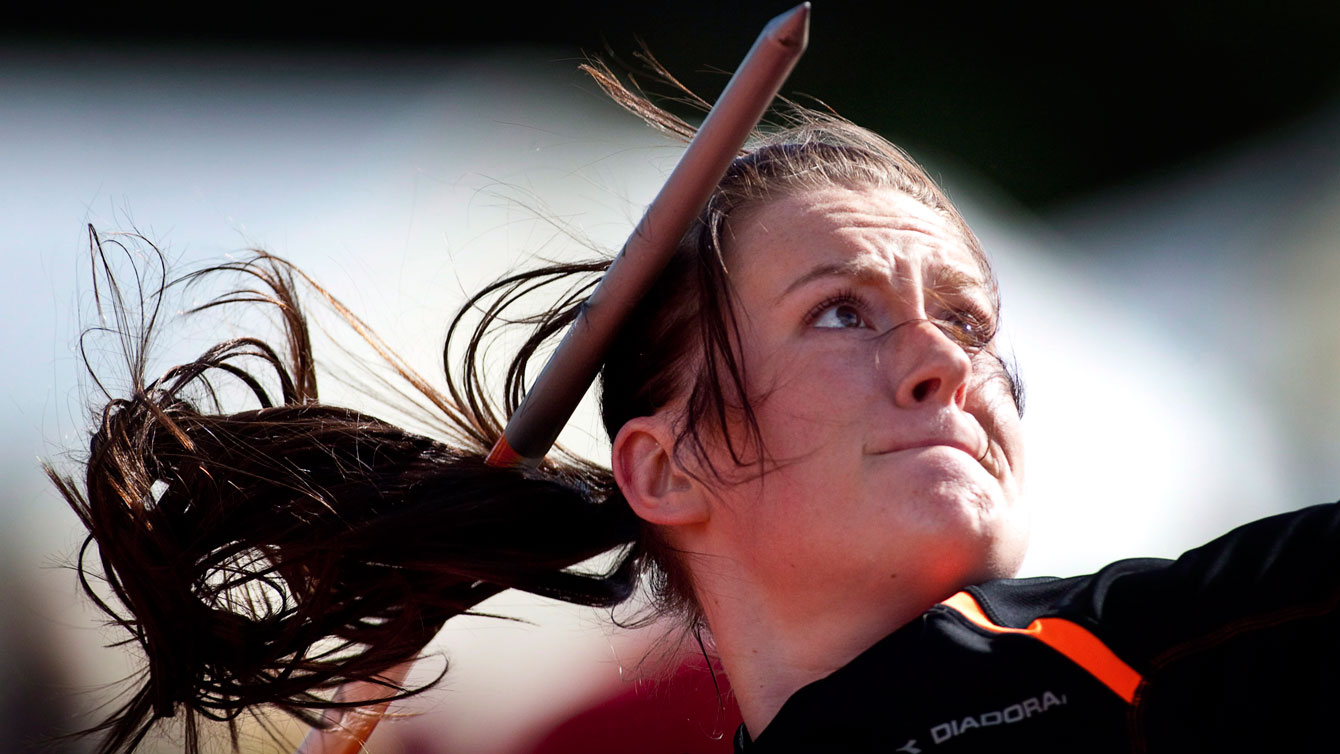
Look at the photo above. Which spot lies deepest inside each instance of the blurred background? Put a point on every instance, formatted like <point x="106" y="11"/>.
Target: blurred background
<point x="1159" y="189"/>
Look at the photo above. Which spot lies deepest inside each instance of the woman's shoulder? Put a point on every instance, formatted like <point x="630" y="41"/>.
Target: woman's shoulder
<point x="942" y="682"/>
<point x="1066" y="664"/>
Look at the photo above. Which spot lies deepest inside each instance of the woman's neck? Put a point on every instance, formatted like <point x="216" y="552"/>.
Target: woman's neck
<point x="770" y="652"/>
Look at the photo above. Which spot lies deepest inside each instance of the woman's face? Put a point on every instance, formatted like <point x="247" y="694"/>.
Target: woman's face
<point x="893" y="453"/>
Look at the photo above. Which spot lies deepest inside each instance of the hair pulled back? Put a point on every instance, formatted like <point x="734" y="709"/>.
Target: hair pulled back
<point x="267" y="554"/>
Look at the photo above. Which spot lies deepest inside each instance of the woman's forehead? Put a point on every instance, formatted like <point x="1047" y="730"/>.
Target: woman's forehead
<point x="855" y="233"/>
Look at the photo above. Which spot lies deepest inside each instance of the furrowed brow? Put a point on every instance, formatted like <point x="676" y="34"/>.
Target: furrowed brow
<point x="851" y="269"/>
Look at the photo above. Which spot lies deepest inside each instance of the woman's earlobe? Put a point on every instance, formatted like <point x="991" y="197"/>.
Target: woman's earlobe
<point x="650" y="477"/>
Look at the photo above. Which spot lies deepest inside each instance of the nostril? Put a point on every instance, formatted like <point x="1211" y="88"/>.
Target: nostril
<point x="925" y="388"/>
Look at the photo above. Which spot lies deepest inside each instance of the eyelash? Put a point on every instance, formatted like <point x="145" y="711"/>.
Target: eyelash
<point x="969" y="313"/>
<point x="845" y="296"/>
<point x="974" y="316"/>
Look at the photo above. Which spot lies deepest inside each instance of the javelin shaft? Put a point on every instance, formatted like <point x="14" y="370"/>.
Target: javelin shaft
<point x="553" y="397"/>
<point x="350" y="727"/>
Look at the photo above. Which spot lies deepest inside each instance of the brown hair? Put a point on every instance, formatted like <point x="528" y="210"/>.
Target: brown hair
<point x="264" y="556"/>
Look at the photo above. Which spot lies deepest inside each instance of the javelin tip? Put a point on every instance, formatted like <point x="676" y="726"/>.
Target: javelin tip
<point x="792" y="28"/>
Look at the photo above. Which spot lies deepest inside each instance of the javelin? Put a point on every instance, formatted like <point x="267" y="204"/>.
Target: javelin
<point x="553" y="397"/>
<point x="549" y="404"/>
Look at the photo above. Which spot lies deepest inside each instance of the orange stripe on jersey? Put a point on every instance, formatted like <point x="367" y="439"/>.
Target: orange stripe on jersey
<point x="1070" y="639"/>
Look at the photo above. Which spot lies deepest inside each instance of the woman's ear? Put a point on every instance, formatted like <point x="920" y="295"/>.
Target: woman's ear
<point x="650" y="477"/>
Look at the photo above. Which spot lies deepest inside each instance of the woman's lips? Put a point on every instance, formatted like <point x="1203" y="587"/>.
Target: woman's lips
<point x="945" y="430"/>
<point x="979" y="449"/>
<point x="971" y="448"/>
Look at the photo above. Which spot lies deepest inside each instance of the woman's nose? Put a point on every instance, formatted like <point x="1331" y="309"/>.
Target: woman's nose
<point x="927" y="366"/>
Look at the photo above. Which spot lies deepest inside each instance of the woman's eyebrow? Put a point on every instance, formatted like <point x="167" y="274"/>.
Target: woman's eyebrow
<point x="858" y="270"/>
<point x="943" y="279"/>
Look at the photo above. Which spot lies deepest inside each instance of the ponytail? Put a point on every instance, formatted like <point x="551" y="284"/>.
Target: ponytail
<point x="269" y="555"/>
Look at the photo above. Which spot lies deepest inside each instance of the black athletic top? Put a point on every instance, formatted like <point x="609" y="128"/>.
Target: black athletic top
<point x="1234" y="646"/>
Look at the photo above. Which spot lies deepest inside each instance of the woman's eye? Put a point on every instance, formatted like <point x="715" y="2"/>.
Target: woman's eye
<point x="964" y="324"/>
<point x="967" y="328"/>
<point x="838" y="316"/>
